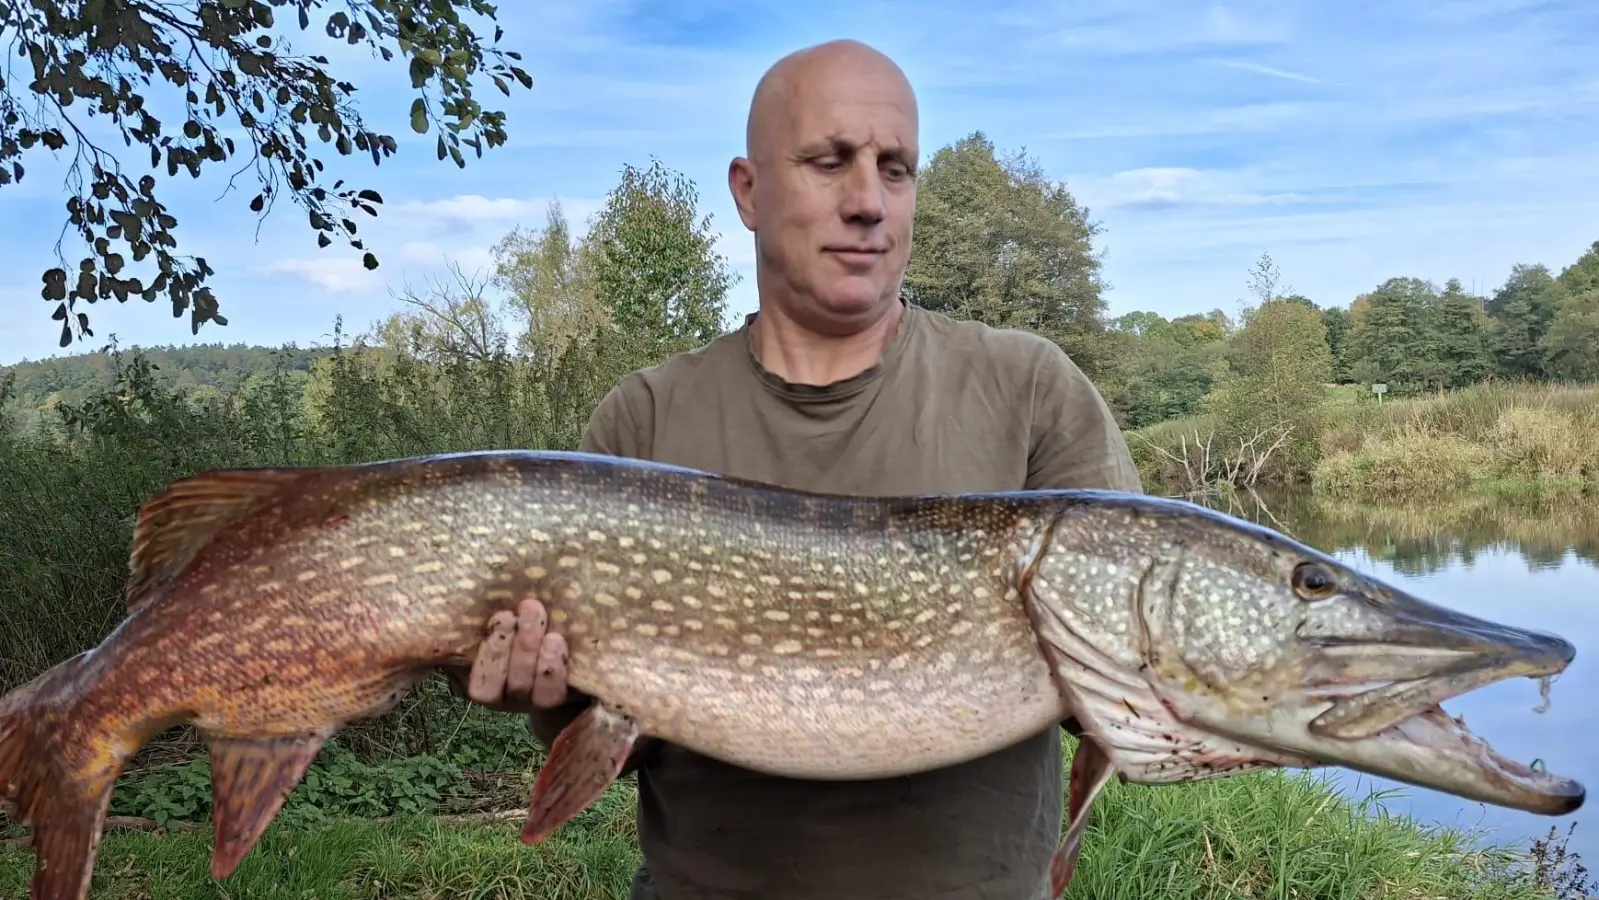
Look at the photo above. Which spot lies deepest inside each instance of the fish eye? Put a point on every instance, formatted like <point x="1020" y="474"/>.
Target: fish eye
<point x="1312" y="581"/>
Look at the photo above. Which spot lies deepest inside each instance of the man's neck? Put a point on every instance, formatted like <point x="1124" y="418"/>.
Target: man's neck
<point x="799" y="356"/>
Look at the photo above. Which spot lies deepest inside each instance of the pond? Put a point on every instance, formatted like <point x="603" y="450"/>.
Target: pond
<point x="1532" y="565"/>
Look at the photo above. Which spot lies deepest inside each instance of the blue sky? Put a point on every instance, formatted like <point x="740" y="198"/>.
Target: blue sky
<point x="1353" y="142"/>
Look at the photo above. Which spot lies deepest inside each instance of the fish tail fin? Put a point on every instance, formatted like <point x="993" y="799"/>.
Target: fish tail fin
<point x="65" y="811"/>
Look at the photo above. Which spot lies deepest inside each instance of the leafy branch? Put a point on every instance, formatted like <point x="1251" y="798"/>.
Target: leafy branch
<point x="104" y="56"/>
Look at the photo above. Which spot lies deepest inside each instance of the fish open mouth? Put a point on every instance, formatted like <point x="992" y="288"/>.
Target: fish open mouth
<point x="1425" y="745"/>
<point x="1453" y="753"/>
<point x="1387" y="688"/>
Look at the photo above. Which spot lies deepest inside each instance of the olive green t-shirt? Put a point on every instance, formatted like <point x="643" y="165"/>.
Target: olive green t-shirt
<point x="953" y="406"/>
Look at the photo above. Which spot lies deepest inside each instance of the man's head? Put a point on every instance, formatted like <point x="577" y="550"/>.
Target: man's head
<point x="828" y="184"/>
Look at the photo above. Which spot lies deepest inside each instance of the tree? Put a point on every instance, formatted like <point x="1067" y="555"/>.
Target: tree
<point x="226" y="73"/>
<point x="448" y="321"/>
<point x="1389" y="341"/>
<point x="1571" y="346"/>
<point x="1272" y="391"/>
<point x="1460" y="342"/>
<point x="1583" y="274"/>
<point x="1522" y="309"/>
<point x="1337" y="321"/>
<point x="549" y="283"/>
<point x="655" y="264"/>
<point x="997" y="242"/>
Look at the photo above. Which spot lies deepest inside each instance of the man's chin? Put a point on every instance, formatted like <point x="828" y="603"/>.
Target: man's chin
<point x="860" y="299"/>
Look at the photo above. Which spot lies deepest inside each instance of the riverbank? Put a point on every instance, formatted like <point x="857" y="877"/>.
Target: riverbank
<point x="1256" y="836"/>
<point x="1503" y="439"/>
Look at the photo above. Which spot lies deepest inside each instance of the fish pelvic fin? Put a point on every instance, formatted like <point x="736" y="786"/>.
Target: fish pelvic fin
<point x="251" y="778"/>
<point x="1091" y="771"/>
<point x="585" y="759"/>
<point x="175" y="524"/>
<point x="65" y="811"/>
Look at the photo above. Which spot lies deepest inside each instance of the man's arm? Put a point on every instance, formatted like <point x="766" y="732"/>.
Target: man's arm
<point x="1076" y="441"/>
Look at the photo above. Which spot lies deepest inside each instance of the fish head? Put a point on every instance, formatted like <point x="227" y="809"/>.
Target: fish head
<point x="1275" y="645"/>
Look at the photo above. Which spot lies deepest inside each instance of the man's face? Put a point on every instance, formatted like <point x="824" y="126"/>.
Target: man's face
<point x="834" y="191"/>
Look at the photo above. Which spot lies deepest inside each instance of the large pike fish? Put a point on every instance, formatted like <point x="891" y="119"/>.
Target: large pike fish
<point x="797" y="634"/>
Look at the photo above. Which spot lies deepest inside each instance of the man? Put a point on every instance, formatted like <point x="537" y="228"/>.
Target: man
<point x="837" y="385"/>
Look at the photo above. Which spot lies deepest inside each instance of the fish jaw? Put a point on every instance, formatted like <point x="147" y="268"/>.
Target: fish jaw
<point x="1277" y="646"/>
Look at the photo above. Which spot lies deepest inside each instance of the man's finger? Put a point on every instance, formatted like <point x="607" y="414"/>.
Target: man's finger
<point x="487" y="684"/>
<point x="550" y="687"/>
<point x="524" y="663"/>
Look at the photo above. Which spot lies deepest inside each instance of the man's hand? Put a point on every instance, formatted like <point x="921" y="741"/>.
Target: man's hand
<point x="519" y="666"/>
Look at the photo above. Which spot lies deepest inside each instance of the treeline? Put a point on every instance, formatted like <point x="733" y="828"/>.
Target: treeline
<point x="1407" y="334"/>
<point x="206" y="369"/>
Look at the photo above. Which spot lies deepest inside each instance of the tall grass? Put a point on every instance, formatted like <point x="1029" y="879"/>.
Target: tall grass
<point x="1502" y="437"/>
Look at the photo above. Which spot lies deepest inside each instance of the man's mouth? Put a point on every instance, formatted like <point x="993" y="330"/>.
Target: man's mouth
<point x="857" y="254"/>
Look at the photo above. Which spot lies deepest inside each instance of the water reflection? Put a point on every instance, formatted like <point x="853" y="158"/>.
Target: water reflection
<point x="1532" y="564"/>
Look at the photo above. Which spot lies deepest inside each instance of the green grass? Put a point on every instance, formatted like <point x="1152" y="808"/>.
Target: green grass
<point x="1271" y="835"/>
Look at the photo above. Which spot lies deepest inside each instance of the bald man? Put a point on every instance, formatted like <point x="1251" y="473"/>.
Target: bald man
<point x="836" y="384"/>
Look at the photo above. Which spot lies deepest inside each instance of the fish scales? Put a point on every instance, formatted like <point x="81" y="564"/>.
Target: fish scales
<point x="742" y="623"/>
<point x="797" y="634"/>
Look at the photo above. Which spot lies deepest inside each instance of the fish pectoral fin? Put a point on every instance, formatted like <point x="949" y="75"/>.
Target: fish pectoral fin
<point x="250" y="780"/>
<point x="1091" y="771"/>
<point x="585" y="758"/>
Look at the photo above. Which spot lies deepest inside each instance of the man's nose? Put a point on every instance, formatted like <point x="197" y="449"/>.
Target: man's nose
<point x="863" y="195"/>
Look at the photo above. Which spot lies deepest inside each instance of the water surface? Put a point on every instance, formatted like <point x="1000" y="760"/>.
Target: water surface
<point x="1528" y="564"/>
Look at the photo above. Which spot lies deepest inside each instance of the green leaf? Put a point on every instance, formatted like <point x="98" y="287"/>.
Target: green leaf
<point x="419" y="116"/>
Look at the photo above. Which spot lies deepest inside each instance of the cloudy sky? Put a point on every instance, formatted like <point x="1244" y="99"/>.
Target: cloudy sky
<point x="1353" y="142"/>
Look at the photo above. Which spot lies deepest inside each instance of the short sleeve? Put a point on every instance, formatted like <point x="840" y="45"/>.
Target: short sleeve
<point x="618" y="426"/>
<point x="1076" y="441"/>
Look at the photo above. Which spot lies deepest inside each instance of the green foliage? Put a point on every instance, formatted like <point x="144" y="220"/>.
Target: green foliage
<point x="549" y="285"/>
<point x="483" y="762"/>
<point x="997" y="242"/>
<point x="1413" y="337"/>
<point x="1523" y="309"/>
<point x="228" y="74"/>
<point x="1269" y="403"/>
<point x="1570" y="347"/>
<point x="656" y="264"/>
<point x="1389" y="339"/>
<point x="1336" y="320"/>
<point x="1162" y="370"/>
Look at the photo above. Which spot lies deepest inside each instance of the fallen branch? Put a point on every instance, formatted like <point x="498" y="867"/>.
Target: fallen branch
<point x="138" y="823"/>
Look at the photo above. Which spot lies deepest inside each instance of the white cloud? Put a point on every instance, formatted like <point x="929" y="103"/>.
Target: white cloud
<point x="1171" y="29"/>
<point x="335" y="274"/>
<point x="468" y="213"/>
<point x="1270" y="71"/>
<point x="1166" y="186"/>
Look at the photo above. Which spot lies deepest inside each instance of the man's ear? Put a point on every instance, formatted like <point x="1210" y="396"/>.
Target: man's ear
<point x="741" y="183"/>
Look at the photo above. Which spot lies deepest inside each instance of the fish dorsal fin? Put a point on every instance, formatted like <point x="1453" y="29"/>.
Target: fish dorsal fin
<point x="176" y="523"/>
